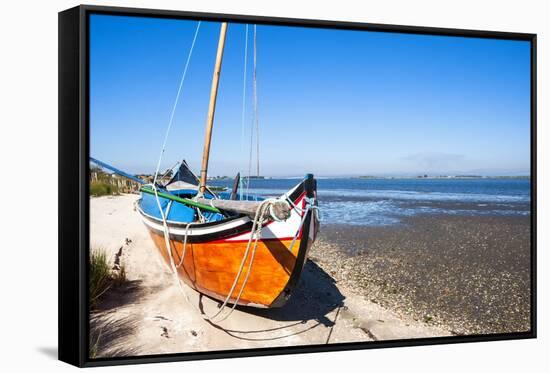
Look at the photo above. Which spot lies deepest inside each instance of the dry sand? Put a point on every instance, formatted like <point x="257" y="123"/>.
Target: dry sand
<point x="150" y="315"/>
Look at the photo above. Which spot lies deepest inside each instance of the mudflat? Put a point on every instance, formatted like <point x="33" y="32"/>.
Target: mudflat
<point x="467" y="274"/>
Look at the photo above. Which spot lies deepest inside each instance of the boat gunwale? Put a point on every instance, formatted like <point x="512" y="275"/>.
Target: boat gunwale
<point x="217" y="236"/>
<point x="307" y="189"/>
<point x="296" y="193"/>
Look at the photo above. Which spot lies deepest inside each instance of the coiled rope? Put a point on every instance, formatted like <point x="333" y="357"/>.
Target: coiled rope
<point x="254" y="237"/>
<point x="260" y="217"/>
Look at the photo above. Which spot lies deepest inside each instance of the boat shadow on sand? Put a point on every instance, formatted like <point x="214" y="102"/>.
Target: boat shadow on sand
<point x="310" y="307"/>
<point x="314" y="299"/>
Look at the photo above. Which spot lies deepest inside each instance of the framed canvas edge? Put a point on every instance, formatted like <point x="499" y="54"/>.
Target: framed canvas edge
<point x="71" y="259"/>
<point x="73" y="318"/>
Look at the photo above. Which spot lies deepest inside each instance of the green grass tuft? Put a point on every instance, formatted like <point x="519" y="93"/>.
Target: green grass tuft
<point x="100" y="275"/>
<point x="100" y="188"/>
<point x="103" y="276"/>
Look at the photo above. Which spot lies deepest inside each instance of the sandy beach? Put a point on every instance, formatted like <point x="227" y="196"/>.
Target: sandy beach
<point x="149" y="314"/>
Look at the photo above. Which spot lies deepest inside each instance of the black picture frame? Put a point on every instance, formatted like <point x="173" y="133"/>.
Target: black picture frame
<point x="74" y="188"/>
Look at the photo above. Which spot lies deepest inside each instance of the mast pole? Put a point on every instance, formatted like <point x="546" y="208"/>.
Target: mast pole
<point x="212" y="109"/>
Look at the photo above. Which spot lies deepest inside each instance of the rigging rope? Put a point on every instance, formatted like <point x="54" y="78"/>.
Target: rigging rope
<point x="256" y="110"/>
<point x="176" y="102"/>
<point x="255" y="120"/>
<point x="261" y="214"/>
<point x="243" y="112"/>
<point x="255" y="234"/>
<point x="154" y="186"/>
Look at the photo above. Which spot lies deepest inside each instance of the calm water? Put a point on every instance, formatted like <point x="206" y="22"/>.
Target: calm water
<point x="388" y="201"/>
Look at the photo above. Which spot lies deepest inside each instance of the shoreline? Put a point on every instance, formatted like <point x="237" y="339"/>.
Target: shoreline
<point x="149" y="314"/>
<point x="428" y="276"/>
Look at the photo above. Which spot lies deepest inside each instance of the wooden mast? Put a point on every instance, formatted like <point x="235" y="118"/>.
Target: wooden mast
<point x="212" y="109"/>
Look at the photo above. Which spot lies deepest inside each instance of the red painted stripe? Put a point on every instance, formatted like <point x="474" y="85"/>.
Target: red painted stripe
<point x="261" y="240"/>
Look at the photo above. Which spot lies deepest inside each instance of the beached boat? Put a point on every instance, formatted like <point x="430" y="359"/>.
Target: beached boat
<point x="209" y="255"/>
<point x="233" y="247"/>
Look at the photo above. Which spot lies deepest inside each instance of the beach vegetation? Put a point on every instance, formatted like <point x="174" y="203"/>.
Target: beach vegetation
<point x="102" y="188"/>
<point x="94" y="345"/>
<point x="102" y="276"/>
<point x="106" y="184"/>
<point x="119" y="275"/>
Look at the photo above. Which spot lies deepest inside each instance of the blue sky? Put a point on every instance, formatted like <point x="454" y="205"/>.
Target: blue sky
<point x="330" y="102"/>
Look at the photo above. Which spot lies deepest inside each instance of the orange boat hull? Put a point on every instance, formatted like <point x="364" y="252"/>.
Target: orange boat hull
<point x="214" y="252"/>
<point x="211" y="268"/>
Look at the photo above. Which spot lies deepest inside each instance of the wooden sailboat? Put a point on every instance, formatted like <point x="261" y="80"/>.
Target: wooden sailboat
<point x="208" y="255"/>
<point x="247" y="252"/>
